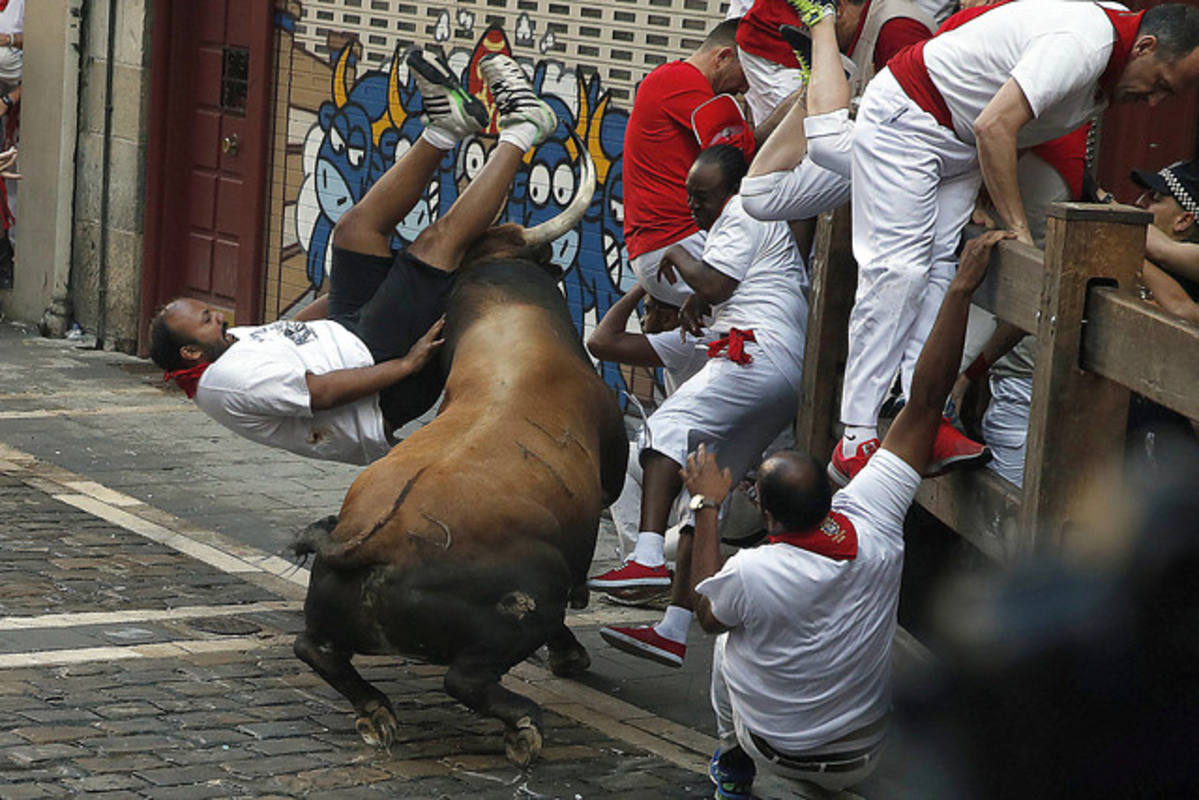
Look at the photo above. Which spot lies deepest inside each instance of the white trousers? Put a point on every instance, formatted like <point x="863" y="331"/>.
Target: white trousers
<point x="770" y="83"/>
<point x="830" y="141"/>
<point x="915" y="185"/>
<point x="1005" y="426"/>
<point x="645" y="267"/>
<point x="731" y="730"/>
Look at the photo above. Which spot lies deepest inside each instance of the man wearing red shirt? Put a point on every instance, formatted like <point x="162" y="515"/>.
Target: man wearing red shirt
<point x="676" y="114"/>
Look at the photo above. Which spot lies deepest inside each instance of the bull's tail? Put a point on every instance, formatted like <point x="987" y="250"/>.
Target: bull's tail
<point x="313" y="539"/>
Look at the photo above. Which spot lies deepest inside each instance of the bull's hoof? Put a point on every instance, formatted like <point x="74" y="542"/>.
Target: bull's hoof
<point x="523" y="744"/>
<point x="571" y="662"/>
<point x="378" y="726"/>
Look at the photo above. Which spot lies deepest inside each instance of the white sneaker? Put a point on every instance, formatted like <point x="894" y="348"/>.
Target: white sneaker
<point x="514" y="96"/>
<point x="449" y="107"/>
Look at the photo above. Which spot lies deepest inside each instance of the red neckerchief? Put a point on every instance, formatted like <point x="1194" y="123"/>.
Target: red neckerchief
<point x="1126" y="23"/>
<point x="187" y="379"/>
<point x="833" y="538"/>
<point x="3" y="4"/>
<point x="735" y="341"/>
<point x="857" y="34"/>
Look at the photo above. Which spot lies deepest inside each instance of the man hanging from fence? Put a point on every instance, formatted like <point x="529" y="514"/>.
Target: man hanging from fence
<point x="745" y="393"/>
<point x="801" y="672"/>
<point x="337" y="388"/>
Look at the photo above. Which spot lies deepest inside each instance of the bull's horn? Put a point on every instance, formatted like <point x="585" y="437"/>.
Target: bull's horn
<point x="551" y="229"/>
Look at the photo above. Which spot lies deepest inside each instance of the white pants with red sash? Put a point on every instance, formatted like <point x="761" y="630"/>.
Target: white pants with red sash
<point x="735" y="409"/>
<point x="914" y="185"/>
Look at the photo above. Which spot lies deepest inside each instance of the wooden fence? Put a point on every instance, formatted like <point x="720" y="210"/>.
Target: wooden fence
<point x="1096" y="341"/>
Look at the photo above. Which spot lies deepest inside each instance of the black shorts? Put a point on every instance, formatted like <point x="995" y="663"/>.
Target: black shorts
<point x="389" y="302"/>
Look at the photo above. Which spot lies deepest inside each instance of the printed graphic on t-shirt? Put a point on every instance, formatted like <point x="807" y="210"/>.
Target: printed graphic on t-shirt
<point x="298" y="332"/>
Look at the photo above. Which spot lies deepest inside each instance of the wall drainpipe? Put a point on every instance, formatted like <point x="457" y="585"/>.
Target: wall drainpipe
<point x="105" y="175"/>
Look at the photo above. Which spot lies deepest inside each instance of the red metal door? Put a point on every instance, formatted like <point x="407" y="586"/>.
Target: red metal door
<point x="208" y="153"/>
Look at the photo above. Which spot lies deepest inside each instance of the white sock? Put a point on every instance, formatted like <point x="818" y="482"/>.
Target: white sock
<point x="854" y="436"/>
<point x="650" y="550"/>
<point x="439" y="138"/>
<point x="675" y="624"/>
<point x="521" y="134"/>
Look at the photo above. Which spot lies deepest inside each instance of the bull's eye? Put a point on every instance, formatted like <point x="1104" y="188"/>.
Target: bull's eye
<point x="355" y="156"/>
<point x="335" y="141"/>
<point x="564" y="184"/>
<point x="473" y="159"/>
<point x="402" y="147"/>
<point x="539" y="184"/>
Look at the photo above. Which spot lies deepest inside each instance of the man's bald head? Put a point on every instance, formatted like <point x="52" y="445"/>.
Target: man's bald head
<point x="794" y="490"/>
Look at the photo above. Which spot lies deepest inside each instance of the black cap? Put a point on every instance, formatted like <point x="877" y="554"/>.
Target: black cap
<point x="1180" y="180"/>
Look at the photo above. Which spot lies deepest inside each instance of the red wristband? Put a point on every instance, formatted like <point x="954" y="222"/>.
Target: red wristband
<point x="977" y="369"/>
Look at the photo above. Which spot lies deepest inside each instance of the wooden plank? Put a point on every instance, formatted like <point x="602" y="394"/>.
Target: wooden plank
<point x="1012" y="288"/>
<point x="980" y="506"/>
<point x="834" y="279"/>
<point x="1077" y="419"/>
<point x="1122" y="330"/>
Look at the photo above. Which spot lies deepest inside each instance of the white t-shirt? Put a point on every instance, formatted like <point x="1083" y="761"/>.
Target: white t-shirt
<point x="771" y="294"/>
<point x="12" y="20"/>
<point x="1055" y="49"/>
<point x="808" y="657"/>
<point x="258" y="388"/>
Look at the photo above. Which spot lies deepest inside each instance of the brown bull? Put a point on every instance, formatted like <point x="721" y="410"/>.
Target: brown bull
<point x="466" y="542"/>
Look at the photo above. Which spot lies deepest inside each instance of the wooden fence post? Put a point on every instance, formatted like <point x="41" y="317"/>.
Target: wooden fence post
<point x="834" y="279"/>
<point x="1077" y="420"/>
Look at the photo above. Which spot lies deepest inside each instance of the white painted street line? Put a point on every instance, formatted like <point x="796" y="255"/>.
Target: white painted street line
<point x="91" y="412"/>
<point x="81" y="618"/>
<point x="87" y="655"/>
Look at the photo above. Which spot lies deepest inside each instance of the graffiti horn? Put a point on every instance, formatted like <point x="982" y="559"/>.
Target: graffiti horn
<point x="551" y="229"/>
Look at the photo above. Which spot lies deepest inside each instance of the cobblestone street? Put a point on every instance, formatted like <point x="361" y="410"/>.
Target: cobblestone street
<point x="146" y="621"/>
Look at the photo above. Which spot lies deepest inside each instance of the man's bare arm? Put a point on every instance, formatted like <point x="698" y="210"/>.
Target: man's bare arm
<point x="995" y="132"/>
<point x="341" y="386"/>
<point x="787" y="145"/>
<point x="317" y="309"/>
<point x="710" y="284"/>
<point x="702" y="476"/>
<point x="1177" y="258"/>
<point x="1169" y="294"/>
<point x="911" y="435"/>
<point x="611" y="342"/>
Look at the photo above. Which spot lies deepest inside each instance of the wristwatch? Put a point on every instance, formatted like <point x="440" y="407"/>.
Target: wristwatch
<point x="699" y="501"/>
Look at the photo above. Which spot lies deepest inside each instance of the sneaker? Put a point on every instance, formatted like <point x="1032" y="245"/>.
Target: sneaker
<point x="645" y="642"/>
<point x="640" y="597"/>
<point x="733" y="774"/>
<point x="953" y="450"/>
<point x="841" y="469"/>
<point x="810" y="11"/>
<point x="514" y="96"/>
<point x="800" y="42"/>
<point x="629" y="575"/>
<point x="448" y="106"/>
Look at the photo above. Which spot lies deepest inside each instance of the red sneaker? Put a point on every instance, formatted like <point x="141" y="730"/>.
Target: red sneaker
<point x="629" y="575"/>
<point x="841" y="469"/>
<point x="952" y="450"/>
<point x="643" y="641"/>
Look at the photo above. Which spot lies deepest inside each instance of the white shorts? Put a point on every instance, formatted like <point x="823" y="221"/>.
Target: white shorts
<point x="770" y="83"/>
<point x="735" y="409"/>
<point x="645" y="267"/>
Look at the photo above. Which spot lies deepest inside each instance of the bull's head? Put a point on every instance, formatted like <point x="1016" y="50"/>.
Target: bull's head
<point x="533" y="244"/>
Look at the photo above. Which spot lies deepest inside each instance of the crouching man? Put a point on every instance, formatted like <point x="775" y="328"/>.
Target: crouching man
<point x="801" y="674"/>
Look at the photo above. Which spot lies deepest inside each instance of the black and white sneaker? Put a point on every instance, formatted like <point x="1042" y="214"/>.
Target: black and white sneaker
<point x="514" y="96"/>
<point x="449" y="107"/>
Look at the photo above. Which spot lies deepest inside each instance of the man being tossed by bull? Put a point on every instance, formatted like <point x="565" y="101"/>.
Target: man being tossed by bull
<point x="745" y="393"/>
<point x="801" y="672"/>
<point x="337" y="388"/>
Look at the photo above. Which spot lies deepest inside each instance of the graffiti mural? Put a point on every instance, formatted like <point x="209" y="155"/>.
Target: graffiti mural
<point x="369" y="117"/>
